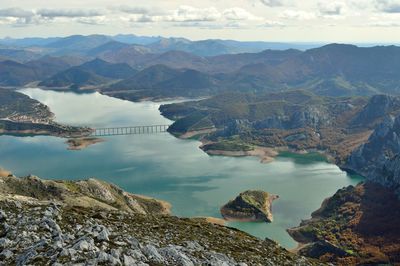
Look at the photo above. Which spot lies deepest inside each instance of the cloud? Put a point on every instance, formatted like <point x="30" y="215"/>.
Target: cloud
<point x="388" y="6"/>
<point x="193" y="14"/>
<point x="297" y="15"/>
<point x="16" y="13"/>
<point x="130" y="9"/>
<point x="273" y="3"/>
<point x="237" y="13"/>
<point x="69" y="13"/>
<point x="332" y="8"/>
<point x="389" y="24"/>
<point x="273" y="23"/>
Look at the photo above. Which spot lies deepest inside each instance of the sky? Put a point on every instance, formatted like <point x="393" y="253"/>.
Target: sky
<point x="356" y="21"/>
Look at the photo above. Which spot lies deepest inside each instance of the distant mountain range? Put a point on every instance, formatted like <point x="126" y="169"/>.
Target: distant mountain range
<point x="157" y="67"/>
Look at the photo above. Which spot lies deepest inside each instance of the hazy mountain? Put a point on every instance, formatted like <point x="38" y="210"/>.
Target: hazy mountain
<point x="219" y="47"/>
<point x="147" y="78"/>
<point x="19" y="55"/>
<point x="109" y="70"/>
<point x="48" y="65"/>
<point x="16" y="74"/>
<point x="77" y="44"/>
<point x="134" y="39"/>
<point x="74" y="78"/>
<point x="27" y="42"/>
<point x="91" y="73"/>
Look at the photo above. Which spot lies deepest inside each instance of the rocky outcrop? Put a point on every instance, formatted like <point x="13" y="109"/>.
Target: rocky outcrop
<point x="378" y="159"/>
<point x="85" y="193"/>
<point x="356" y="226"/>
<point x="378" y="107"/>
<point x="251" y="205"/>
<point x="40" y="224"/>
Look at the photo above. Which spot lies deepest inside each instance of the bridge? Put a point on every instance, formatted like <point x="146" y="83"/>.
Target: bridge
<point x="115" y="131"/>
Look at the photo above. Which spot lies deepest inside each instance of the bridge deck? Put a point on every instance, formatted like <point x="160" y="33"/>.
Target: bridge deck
<point x="114" y="131"/>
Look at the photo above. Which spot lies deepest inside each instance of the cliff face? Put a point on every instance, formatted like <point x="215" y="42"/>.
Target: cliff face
<point x="91" y="222"/>
<point x="356" y="226"/>
<point x="378" y="159"/>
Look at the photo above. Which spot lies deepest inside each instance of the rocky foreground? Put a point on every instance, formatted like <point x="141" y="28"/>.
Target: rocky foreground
<point x="95" y="223"/>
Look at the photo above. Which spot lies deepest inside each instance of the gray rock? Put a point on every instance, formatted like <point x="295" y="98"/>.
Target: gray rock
<point x="103" y="235"/>
<point x="3" y="216"/>
<point x="129" y="261"/>
<point x="152" y="254"/>
<point x="84" y="245"/>
<point x="171" y="253"/>
<point x="25" y="257"/>
<point x="5" y="242"/>
<point x="6" y="254"/>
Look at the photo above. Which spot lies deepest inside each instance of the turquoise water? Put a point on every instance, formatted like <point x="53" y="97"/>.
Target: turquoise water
<point x="164" y="167"/>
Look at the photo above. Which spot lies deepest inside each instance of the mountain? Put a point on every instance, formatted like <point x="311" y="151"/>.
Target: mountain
<point x="48" y="65"/>
<point x="116" y="52"/>
<point x="16" y="74"/>
<point x="294" y="120"/>
<point x="378" y="159"/>
<point x="179" y="59"/>
<point x="109" y="70"/>
<point x="134" y="39"/>
<point x="214" y="47"/>
<point x="167" y="79"/>
<point x="95" y="72"/>
<point x="358" y="225"/>
<point x="112" y="46"/>
<point x="77" y="44"/>
<point x="27" y="42"/>
<point x="19" y="55"/>
<point x="74" y="78"/>
<point x="147" y="78"/>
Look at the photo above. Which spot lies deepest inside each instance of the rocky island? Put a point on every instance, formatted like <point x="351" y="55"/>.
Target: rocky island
<point x="44" y="222"/>
<point x="21" y="115"/>
<point x="251" y="205"/>
<point x="77" y="144"/>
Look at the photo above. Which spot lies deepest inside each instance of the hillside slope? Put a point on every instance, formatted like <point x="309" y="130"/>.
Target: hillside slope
<point x="46" y="222"/>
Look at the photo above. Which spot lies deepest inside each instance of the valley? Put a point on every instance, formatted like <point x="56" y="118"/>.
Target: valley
<point x="323" y="120"/>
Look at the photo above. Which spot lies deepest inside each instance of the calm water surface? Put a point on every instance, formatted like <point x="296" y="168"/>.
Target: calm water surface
<point x="171" y="169"/>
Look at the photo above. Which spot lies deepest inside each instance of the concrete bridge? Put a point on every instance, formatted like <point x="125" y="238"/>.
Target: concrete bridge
<point x="114" y="131"/>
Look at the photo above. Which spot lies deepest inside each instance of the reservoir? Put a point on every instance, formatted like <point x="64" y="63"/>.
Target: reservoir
<point x="171" y="169"/>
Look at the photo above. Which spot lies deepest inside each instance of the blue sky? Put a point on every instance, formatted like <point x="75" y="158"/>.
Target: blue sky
<point x="266" y="20"/>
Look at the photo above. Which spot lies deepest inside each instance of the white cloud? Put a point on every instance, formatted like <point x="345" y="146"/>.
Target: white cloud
<point x="273" y="23"/>
<point x="332" y="8"/>
<point x="192" y="14"/>
<point x="237" y="13"/>
<point x="389" y="24"/>
<point x="273" y="3"/>
<point x="297" y="15"/>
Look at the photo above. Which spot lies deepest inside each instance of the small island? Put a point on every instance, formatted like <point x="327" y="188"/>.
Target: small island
<point x="251" y="205"/>
<point x="77" y="144"/>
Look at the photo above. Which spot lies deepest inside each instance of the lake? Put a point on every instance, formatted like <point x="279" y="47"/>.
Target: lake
<point x="168" y="168"/>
